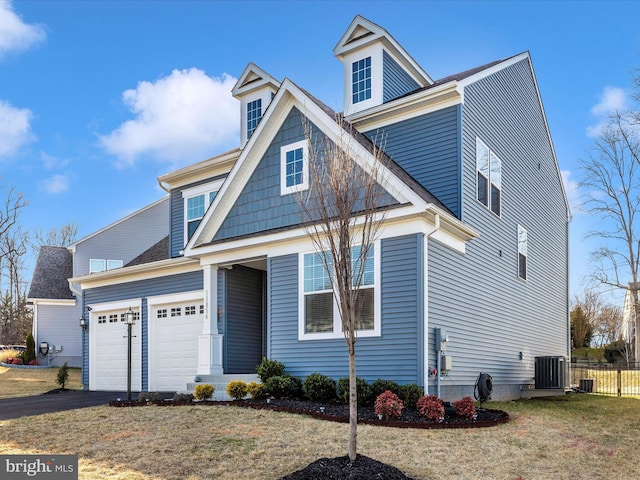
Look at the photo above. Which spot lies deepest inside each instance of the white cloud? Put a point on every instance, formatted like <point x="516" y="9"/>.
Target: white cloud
<point x="571" y="187"/>
<point x="612" y="100"/>
<point x="15" y="128"/>
<point x="182" y="118"/>
<point x="50" y="162"/>
<point x="55" y="184"/>
<point x="15" y="35"/>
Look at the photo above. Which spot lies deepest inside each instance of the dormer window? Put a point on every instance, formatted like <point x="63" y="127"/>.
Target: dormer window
<point x="361" y="80"/>
<point x="196" y="203"/>
<point x="254" y="114"/>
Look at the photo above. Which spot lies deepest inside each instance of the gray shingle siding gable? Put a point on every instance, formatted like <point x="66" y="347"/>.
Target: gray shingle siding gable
<point x="490" y="313"/>
<point x="395" y="81"/>
<point x="428" y="148"/>
<point x="260" y="207"/>
<point x="395" y="355"/>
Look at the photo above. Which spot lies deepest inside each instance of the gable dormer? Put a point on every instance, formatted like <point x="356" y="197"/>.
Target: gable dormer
<point x="376" y="68"/>
<point x="255" y="88"/>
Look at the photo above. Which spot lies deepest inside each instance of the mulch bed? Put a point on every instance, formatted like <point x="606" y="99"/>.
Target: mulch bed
<point x="340" y="468"/>
<point x="340" y="413"/>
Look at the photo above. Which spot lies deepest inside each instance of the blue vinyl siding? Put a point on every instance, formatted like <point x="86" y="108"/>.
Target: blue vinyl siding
<point x="428" y="148"/>
<point x="184" y="282"/>
<point x="395" y="355"/>
<point x="395" y="81"/>
<point x="260" y="207"/>
<point x="491" y="314"/>
<point x="244" y="309"/>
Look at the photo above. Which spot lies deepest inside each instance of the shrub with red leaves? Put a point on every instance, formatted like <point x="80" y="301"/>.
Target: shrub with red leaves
<point x="388" y="404"/>
<point x="33" y="362"/>
<point x="15" y="361"/>
<point x="465" y="408"/>
<point x="431" y="407"/>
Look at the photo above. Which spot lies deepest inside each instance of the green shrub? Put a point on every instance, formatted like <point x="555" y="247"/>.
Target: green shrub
<point x="319" y="388"/>
<point x="410" y="394"/>
<point x="614" y="352"/>
<point x="362" y="389"/>
<point x="63" y="375"/>
<point x="269" y="368"/>
<point x="256" y="390"/>
<point x="283" y="386"/>
<point x="203" y="391"/>
<point x="30" y="351"/>
<point x="388" y="404"/>
<point x="381" y="385"/>
<point x="148" y="397"/>
<point x="237" y="389"/>
<point x="183" y="397"/>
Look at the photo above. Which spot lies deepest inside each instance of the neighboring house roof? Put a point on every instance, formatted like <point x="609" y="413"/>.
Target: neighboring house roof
<point x="157" y="252"/>
<point x="53" y="267"/>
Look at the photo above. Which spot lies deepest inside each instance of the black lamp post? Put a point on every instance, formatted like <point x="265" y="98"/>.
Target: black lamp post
<point x="129" y="319"/>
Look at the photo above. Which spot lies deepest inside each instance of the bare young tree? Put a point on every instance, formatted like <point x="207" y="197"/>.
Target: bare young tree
<point x="56" y="237"/>
<point x="342" y="213"/>
<point x="607" y="325"/>
<point x="612" y="185"/>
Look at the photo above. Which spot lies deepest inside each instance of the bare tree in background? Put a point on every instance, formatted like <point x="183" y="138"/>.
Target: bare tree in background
<point x="56" y="237"/>
<point x="612" y="185"/>
<point x="343" y="216"/>
<point x="607" y="325"/>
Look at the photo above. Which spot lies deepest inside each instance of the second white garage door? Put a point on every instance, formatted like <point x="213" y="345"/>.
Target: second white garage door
<point x="173" y="344"/>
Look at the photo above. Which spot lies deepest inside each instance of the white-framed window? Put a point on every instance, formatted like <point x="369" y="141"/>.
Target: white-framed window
<point x="102" y="319"/>
<point x="361" y="80"/>
<point x="113" y="318"/>
<point x="196" y="202"/>
<point x="176" y="311"/>
<point x="523" y="252"/>
<point x="100" y="265"/>
<point x="294" y="167"/>
<point x="318" y="316"/>
<point x="488" y="177"/>
<point x="190" y="310"/>
<point x="254" y="114"/>
<point x="161" y="313"/>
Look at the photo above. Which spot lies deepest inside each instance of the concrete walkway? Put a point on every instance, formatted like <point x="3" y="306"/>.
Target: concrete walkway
<point x="55" y="402"/>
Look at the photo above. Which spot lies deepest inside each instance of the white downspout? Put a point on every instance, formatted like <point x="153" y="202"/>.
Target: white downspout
<point x="425" y="303"/>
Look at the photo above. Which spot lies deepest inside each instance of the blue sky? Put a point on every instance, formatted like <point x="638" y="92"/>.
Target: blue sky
<point x="98" y="98"/>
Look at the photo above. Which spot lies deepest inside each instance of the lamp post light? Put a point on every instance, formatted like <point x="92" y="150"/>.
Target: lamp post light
<point x="129" y="319"/>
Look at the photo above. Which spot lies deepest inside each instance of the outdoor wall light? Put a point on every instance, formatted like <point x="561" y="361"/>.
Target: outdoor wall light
<point x="83" y="323"/>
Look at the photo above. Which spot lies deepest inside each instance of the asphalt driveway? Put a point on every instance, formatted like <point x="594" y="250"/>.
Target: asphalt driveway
<point x="55" y="402"/>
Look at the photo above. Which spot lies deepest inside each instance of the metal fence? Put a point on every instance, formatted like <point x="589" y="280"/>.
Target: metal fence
<point x="622" y="380"/>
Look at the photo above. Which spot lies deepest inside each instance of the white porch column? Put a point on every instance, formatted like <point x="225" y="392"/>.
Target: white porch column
<point x="210" y="341"/>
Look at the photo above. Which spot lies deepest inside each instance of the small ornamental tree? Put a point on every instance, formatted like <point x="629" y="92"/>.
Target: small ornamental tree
<point x="388" y="404"/>
<point x="63" y="375"/>
<point x="30" y="351"/>
<point x="431" y="407"/>
<point x="465" y="408"/>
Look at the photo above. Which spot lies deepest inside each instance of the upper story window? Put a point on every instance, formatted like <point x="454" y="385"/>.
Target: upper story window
<point x="196" y="202"/>
<point x="294" y="167"/>
<point x="361" y="80"/>
<point x="489" y="177"/>
<point x="319" y="317"/>
<point x="254" y="114"/>
<point x="101" y="265"/>
<point x="522" y="252"/>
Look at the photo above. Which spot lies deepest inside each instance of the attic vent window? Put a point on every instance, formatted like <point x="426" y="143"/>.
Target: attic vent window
<point x="254" y="114"/>
<point x="361" y="80"/>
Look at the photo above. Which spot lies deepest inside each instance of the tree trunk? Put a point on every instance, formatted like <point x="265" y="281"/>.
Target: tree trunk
<point x="353" y="403"/>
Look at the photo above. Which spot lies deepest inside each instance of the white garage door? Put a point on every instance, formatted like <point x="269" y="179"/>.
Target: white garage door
<point x="173" y="344"/>
<point x="108" y="351"/>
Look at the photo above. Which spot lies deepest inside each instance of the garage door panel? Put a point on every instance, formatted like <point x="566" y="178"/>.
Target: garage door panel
<point x="173" y="345"/>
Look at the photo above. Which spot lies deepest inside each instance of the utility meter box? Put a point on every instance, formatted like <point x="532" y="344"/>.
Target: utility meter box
<point x="447" y="363"/>
<point x="441" y="339"/>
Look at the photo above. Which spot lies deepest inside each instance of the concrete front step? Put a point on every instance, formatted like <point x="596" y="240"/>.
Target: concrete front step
<point x="220" y="383"/>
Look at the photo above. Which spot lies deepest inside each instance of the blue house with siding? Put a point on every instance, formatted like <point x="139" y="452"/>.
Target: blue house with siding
<point x="474" y="244"/>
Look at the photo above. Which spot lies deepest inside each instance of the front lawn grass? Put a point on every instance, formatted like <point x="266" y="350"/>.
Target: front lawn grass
<point x="24" y="382"/>
<point x="569" y="437"/>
